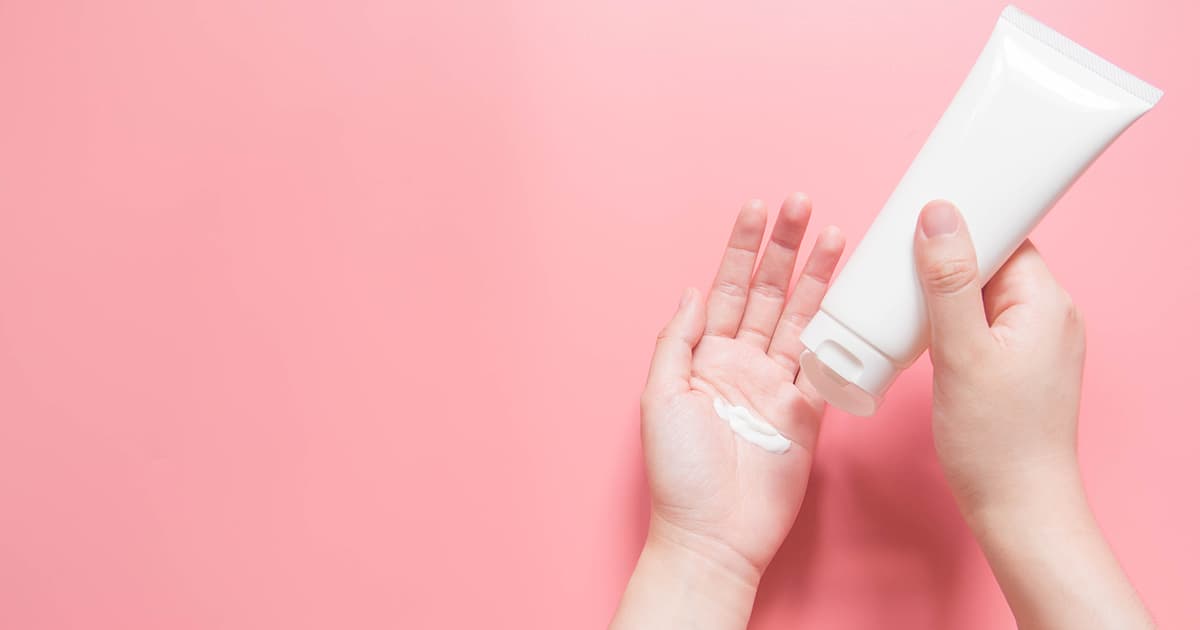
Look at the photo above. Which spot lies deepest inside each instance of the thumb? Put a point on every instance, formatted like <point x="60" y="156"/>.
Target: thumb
<point x="949" y="274"/>
<point x="671" y="366"/>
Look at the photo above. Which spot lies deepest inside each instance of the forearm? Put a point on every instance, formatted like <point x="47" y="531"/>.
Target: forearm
<point x="676" y="584"/>
<point x="1052" y="561"/>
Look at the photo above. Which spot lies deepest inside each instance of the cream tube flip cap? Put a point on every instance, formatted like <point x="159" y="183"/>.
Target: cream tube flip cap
<point x="846" y="370"/>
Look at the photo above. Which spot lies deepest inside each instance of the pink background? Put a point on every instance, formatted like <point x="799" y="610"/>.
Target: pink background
<point x="323" y="315"/>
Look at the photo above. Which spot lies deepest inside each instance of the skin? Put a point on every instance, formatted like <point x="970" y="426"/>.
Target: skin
<point x="1008" y="366"/>
<point x="1007" y="360"/>
<point x="722" y="506"/>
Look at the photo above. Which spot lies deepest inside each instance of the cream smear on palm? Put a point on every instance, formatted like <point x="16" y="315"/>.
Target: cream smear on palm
<point x="747" y="426"/>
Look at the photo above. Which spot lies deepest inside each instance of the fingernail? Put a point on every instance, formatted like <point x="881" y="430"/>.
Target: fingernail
<point x="939" y="218"/>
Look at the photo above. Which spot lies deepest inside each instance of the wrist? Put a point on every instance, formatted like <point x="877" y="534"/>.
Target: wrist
<point x="667" y="540"/>
<point x="1050" y="557"/>
<point x="1040" y="499"/>
<point x="1013" y="489"/>
<point x="686" y="580"/>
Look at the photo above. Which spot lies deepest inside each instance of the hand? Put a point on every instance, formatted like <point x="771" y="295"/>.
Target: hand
<point x="1008" y="366"/>
<point x="1007" y="371"/>
<point x="717" y="499"/>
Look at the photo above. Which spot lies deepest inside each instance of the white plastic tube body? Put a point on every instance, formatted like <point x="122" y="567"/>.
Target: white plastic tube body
<point x="1033" y="113"/>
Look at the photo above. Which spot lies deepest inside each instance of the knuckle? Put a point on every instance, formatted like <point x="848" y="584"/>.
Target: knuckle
<point x="821" y="276"/>
<point x="731" y="289"/>
<point x="796" y="318"/>
<point x="647" y="400"/>
<point x="1069" y="305"/>
<point x="1071" y="313"/>
<point x="1076" y="327"/>
<point x="949" y="276"/>
<point x="1075" y="315"/>
<point x="768" y="291"/>
<point x="751" y="330"/>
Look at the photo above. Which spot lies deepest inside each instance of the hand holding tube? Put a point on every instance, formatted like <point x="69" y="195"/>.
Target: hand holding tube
<point x="1008" y="365"/>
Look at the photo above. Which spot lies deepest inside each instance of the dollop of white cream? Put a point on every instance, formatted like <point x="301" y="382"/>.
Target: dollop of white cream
<point x="754" y="430"/>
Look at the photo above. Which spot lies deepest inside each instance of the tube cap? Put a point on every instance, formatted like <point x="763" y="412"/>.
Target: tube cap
<point x="847" y="371"/>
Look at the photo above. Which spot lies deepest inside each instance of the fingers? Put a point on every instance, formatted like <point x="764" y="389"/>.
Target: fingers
<point x="727" y="300"/>
<point x="949" y="275"/>
<point x="1023" y="279"/>
<point x="769" y="289"/>
<point x="671" y="366"/>
<point x="806" y="298"/>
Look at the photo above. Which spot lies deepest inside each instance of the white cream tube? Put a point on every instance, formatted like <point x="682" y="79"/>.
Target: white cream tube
<point x="1033" y="113"/>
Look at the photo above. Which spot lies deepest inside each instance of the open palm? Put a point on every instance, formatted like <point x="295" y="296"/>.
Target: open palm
<point x="708" y="485"/>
